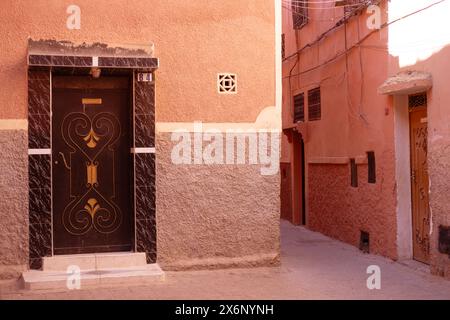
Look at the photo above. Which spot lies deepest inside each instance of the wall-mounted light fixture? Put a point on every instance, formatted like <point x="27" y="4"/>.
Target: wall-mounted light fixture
<point x="95" y="72"/>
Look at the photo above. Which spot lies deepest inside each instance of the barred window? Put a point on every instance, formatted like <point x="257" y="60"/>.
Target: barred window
<point x="299" y="13"/>
<point x="417" y="100"/>
<point x="314" y="105"/>
<point x="299" y="107"/>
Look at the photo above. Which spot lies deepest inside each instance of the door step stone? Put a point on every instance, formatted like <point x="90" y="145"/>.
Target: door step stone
<point x="95" y="270"/>
<point x="95" y="261"/>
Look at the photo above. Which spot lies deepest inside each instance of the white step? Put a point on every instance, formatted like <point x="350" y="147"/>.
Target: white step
<point x="95" y="261"/>
<point x="96" y="270"/>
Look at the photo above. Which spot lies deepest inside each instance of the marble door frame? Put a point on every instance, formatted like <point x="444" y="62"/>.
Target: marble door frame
<point x="41" y="68"/>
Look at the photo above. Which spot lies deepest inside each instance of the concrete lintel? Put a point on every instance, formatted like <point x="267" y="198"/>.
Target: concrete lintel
<point x="408" y="82"/>
<point x="67" y="48"/>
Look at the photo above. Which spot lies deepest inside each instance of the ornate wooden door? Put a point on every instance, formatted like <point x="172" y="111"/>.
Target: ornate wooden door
<point x="419" y="184"/>
<point x="92" y="209"/>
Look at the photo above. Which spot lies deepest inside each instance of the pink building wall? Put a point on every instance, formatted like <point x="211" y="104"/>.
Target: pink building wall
<point x="356" y="119"/>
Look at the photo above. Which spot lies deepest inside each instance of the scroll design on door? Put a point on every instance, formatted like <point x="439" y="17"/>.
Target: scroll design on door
<point x="422" y="229"/>
<point x="91" y="137"/>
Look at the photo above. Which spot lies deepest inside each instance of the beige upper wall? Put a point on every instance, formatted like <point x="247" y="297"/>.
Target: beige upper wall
<point x="194" y="40"/>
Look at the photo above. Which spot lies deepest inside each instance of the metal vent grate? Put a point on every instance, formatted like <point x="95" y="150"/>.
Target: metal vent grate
<point x="299" y="107"/>
<point x="418" y="100"/>
<point x="314" y="107"/>
<point x="227" y="83"/>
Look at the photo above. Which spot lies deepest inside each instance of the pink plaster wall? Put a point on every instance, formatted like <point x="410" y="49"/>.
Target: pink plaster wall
<point x="355" y="119"/>
<point x="429" y="51"/>
<point x="352" y="125"/>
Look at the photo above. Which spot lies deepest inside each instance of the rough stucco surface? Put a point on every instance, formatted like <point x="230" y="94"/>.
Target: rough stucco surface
<point x="439" y="167"/>
<point x="215" y="216"/>
<point x="340" y="211"/>
<point x="13" y="203"/>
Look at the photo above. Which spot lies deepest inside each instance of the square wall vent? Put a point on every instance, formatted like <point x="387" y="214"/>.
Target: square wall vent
<point x="227" y="83"/>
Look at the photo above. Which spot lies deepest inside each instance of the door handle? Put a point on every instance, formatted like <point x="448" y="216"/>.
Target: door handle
<point x="64" y="160"/>
<point x="413" y="176"/>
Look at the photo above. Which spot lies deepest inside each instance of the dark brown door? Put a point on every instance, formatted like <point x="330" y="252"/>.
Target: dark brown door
<point x="419" y="184"/>
<point x="92" y="209"/>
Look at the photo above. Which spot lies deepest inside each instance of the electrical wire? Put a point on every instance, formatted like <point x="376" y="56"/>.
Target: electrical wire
<point x="294" y="5"/>
<point x="386" y="24"/>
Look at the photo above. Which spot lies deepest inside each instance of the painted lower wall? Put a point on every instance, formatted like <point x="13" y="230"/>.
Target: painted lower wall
<point x="340" y="211"/>
<point x="13" y="200"/>
<point x="211" y="216"/>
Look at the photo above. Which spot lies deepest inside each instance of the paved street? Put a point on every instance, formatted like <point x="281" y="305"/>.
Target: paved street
<point x="313" y="267"/>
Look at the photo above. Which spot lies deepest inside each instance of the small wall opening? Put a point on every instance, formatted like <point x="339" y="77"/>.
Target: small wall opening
<point x="444" y="240"/>
<point x="372" y="175"/>
<point x="353" y="173"/>
<point x="364" y="242"/>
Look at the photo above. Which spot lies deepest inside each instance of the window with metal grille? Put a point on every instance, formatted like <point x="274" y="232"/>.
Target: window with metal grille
<point x="299" y="107"/>
<point x="314" y="107"/>
<point x="353" y="173"/>
<point x="299" y="13"/>
<point x="283" y="46"/>
<point x="417" y="100"/>
<point x="372" y="168"/>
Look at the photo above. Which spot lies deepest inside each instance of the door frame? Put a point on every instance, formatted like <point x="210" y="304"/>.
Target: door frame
<point x="140" y="67"/>
<point x="65" y="83"/>
<point x="422" y="108"/>
<point x="298" y="179"/>
<point x="402" y="144"/>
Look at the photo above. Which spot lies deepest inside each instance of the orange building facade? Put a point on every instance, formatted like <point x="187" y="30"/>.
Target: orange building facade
<point x="113" y="126"/>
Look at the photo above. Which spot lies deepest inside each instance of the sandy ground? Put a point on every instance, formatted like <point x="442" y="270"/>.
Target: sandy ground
<point x="313" y="267"/>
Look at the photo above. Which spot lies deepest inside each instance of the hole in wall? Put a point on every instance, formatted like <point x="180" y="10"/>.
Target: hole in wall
<point x="364" y="242"/>
<point x="444" y="240"/>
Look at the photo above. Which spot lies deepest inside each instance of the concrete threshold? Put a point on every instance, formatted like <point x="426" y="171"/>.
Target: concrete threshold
<point x="92" y="270"/>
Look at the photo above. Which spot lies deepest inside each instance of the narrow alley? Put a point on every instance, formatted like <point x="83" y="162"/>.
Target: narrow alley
<point x="313" y="267"/>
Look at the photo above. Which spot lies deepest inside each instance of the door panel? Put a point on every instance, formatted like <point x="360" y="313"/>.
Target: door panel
<point x="419" y="184"/>
<point x="92" y="209"/>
